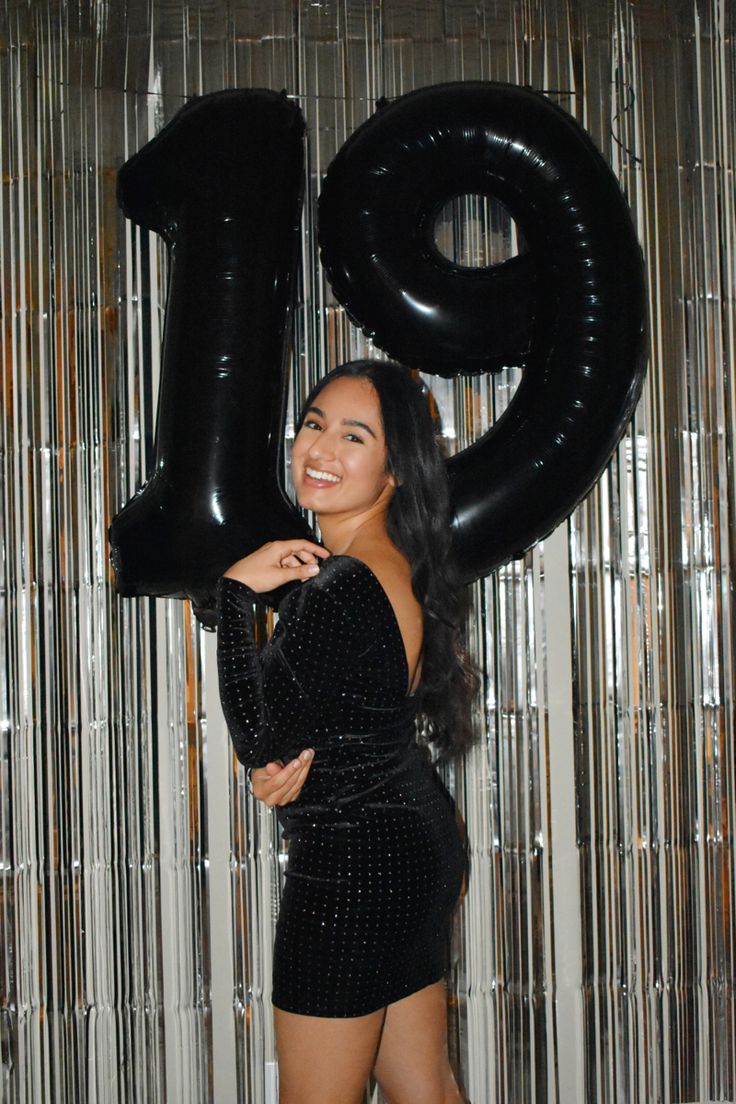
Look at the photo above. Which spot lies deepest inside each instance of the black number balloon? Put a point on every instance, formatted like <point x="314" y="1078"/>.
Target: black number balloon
<point x="571" y="309"/>
<point x="222" y="184"/>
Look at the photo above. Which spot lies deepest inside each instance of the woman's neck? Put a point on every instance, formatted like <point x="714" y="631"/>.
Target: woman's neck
<point x="342" y="534"/>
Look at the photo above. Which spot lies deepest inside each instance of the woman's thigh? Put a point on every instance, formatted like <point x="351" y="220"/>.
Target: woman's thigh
<point x="325" y="1061"/>
<point x="412" y="1065"/>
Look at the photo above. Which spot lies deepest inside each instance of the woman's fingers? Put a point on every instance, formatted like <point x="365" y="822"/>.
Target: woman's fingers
<point x="306" y="548"/>
<point x="298" y="559"/>
<point x="301" y="555"/>
<point x="304" y="561"/>
<point x="292" y="791"/>
<point x="288" y="784"/>
<point x="278" y="562"/>
<point x="275" y="784"/>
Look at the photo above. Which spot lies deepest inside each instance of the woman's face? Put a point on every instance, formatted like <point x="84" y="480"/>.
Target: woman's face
<point x="338" y="462"/>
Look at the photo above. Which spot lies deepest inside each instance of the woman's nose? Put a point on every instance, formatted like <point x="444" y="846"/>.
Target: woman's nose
<point x="321" y="447"/>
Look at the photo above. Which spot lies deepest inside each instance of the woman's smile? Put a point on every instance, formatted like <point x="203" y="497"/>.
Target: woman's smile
<point x="320" y="477"/>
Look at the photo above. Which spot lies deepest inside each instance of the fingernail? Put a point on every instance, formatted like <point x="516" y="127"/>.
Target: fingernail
<point x="312" y="569"/>
<point x="296" y="764"/>
<point x="307" y="755"/>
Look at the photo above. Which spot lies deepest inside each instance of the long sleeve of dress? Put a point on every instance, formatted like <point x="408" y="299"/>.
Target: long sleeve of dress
<point x="272" y="698"/>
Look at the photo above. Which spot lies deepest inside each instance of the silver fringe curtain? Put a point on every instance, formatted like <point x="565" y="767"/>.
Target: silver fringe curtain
<point x="594" y="954"/>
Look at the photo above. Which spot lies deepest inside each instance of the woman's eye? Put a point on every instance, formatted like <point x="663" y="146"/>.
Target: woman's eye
<point x="354" y="437"/>
<point x="310" y="424"/>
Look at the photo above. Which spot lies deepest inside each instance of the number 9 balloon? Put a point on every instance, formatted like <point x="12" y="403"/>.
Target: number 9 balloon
<point x="222" y="185"/>
<point x="576" y="299"/>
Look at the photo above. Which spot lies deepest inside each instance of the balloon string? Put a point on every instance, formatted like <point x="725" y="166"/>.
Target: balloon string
<point x="619" y="115"/>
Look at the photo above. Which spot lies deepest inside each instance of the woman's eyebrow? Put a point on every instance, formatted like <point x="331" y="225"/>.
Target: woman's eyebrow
<point x="345" y="421"/>
<point x="355" y="422"/>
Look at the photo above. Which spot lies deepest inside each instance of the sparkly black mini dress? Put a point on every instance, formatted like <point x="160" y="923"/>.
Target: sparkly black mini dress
<point x="375" y="861"/>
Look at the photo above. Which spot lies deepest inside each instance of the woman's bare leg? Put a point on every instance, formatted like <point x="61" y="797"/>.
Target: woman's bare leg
<point x="412" y="1065"/>
<point x="325" y="1061"/>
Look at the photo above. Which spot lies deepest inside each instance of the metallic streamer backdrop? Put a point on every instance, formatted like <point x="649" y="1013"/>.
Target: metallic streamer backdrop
<point x="595" y="952"/>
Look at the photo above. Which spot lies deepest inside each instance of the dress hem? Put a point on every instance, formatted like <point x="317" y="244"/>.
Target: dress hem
<point x="412" y="989"/>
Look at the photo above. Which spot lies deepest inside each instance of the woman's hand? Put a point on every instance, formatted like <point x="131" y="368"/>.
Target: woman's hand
<point x="276" y="563"/>
<point x="276" y="784"/>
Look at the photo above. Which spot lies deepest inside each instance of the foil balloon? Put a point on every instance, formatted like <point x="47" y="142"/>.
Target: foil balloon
<point x="222" y="184"/>
<point x="570" y="310"/>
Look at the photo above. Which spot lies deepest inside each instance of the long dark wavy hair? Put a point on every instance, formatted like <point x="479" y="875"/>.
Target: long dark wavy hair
<point x="418" y="523"/>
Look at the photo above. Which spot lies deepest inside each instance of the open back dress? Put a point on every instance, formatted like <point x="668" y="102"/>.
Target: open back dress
<point x="375" y="860"/>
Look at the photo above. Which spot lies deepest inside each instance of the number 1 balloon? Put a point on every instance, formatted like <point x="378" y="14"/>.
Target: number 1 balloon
<point x="222" y="184"/>
<point x="576" y="299"/>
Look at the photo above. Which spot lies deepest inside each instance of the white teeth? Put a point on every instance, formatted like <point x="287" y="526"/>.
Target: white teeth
<point x="323" y="475"/>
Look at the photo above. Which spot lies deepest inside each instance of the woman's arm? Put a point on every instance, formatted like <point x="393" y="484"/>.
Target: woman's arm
<point x="272" y="700"/>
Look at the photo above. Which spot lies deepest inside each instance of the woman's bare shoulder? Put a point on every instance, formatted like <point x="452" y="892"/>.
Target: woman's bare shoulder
<point x="393" y="572"/>
<point x="387" y="563"/>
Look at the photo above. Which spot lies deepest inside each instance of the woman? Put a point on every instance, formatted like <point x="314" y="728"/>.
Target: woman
<point x="368" y="643"/>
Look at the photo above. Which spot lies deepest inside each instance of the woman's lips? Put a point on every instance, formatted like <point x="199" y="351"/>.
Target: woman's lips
<point x="316" y="481"/>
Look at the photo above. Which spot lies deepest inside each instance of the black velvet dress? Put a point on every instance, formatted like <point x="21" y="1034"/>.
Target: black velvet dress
<point x="375" y="859"/>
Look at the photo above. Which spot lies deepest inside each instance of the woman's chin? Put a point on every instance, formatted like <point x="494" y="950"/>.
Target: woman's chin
<point x="308" y="499"/>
